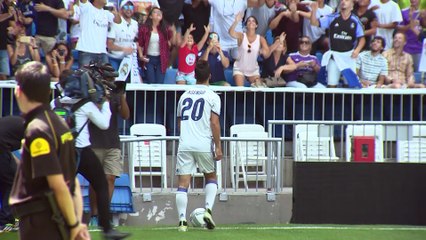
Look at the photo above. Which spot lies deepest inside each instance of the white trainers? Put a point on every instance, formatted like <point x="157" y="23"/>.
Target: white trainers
<point x="183" y="226"/>
<point x="208" y="219"/>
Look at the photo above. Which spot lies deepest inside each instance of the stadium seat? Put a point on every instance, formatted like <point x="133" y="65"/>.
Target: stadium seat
<point x="248" y="158"/>
<point x="314" y="143"/>
<point x="121" y="202"/>
<point x="419" y="77"/>
<point x="147" y="158"/>
<point x="412" y="150"/>
<point x="170" y="77"/>
<point x="75" y="56"/>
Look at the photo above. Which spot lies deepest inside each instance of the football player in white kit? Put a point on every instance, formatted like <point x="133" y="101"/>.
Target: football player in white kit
<point x="199" y="143"/>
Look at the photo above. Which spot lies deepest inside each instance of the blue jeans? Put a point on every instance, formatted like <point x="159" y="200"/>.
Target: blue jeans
<point x="153" y="72"/>
<point x="115" y="62"/>
<point x="4" y="63"/>
<point x="84" y="58"/>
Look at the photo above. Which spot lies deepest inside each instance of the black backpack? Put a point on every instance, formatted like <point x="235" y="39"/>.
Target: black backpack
<point x="67" y="112"/>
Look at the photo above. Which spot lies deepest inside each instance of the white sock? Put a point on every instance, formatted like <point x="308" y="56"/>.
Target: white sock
<point x="211" y="190"/>
<point x="181" y="203"/>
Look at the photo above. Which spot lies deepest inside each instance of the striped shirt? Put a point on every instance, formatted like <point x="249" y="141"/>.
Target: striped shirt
<point x="370" y="67"/>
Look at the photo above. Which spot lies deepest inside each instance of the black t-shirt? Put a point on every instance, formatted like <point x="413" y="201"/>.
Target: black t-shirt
<point x="48" y="149"/>
<point x="3" y="26"/>
<point x="199" y="16"/>
<point x="269" y="66"/>
<point x="46" y="23"/>
<point x="366" y="19"/>
<point x="108" y="138"/>
<point x="343" y="33"/>
<point x="171" y="10"/>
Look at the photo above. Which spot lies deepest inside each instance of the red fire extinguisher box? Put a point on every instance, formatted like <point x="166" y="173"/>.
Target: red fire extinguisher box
<point x="363" y="149"/>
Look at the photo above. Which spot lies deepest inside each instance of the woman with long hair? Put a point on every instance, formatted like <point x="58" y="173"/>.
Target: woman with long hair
<point x="156" y="38"/>
<point x="59" y="59"/>
<point x="250" y="45"/>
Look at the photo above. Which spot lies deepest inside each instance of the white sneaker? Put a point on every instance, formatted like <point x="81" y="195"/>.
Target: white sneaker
<point x="209" y="220"/>
<point x="183" y="226"/>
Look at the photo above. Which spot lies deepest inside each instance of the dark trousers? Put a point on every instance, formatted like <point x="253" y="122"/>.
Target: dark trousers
<point x="91" y="168"/>
<point x="38" y="226"/>
<point x="7" y="174"/>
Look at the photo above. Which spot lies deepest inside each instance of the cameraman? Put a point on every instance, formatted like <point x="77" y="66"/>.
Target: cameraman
<point x="98" y="113"/>
<point x="59" y="59"/>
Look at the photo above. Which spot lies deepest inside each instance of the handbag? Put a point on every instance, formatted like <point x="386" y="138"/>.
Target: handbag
<point x="274" y="82"/>
<point x="307" y="78"/>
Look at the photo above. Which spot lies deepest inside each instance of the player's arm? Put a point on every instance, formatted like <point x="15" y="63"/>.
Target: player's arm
<point x="215" y="126"/>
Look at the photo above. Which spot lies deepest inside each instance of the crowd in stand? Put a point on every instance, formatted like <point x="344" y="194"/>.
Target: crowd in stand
<point x="265" y="43"/>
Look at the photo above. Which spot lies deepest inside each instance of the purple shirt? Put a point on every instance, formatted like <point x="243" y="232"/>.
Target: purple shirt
<point x="297" y="57"/>
<point x="413" y="45"/>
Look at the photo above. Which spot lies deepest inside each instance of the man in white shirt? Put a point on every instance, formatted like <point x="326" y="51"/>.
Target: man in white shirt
<point x="94" y="22"/>
<point x="198" y="114"/>
<point x="122" y="36"/>
<point x="388" y="16"/>
<point x="222" y="17"/>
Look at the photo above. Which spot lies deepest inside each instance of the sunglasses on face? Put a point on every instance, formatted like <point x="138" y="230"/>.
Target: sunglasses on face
<point x="128" y="7"/>
<point x="304" y="42"/>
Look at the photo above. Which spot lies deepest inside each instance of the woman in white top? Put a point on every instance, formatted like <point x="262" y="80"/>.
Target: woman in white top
<point x="250" y="45"/>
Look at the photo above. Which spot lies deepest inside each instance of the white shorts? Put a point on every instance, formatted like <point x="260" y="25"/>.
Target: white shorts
<point x="187" y="163"/>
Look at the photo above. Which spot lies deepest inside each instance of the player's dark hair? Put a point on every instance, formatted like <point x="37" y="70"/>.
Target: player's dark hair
<point x="33" y="79"/>
<point x="202" y="71"/>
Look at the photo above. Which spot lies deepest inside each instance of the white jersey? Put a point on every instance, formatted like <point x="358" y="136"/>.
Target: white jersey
<point x="94" y="24"/>
<point x="194" y="110"/>
<point x="124" y="35"/>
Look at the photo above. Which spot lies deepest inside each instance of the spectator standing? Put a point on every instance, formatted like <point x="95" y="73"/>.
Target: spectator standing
<point x="27" y="15"/>
<point x="198" y="114"/>
<point x="250" y="45"/>
<point x="411" y="18"/>
<point x="94" y="22"/>
<point x="288" y="20"/>
<point x="156" y="39"/>
<point x="47" y="166"/>
<point x="59" y="60"/>
<point x="388" y="16"/>
<point x="121" y="37"/>
<point x="7" y="13"/>
<point x="188" y="53"/>
<point x="368" y="19"/>
<point x="196" y="12"/>
<point x="346" y="41"/>
<point x="372" y="66"/>
<point x="400" y="65"/>
<point x="316" y="34"/>
<point x="46" y="22"/>
<point x="218" y="60"/>
<point x="222" y="17"/>
<point x="307" y="67"/>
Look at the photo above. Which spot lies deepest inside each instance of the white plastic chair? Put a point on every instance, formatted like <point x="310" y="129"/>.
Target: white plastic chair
<point x="413" y="150"/>
<point x="248" y="158"/>
<point x="148" y="158"/>
<point x="365" y="130"/>
<point x="309" y="145"/>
